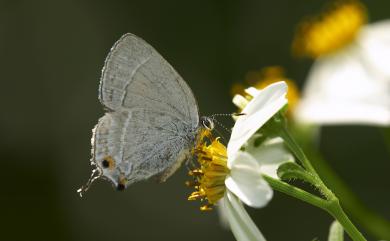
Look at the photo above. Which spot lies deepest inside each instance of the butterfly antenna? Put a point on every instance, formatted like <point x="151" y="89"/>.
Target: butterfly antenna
<point x="229" y="115"/>
<point x="213" y="117"/>
<point x="224" y="114"/>
<point x="96" y="173"/>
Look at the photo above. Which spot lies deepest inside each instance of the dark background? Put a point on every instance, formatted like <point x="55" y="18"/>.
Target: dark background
<point x="51" y="55"/>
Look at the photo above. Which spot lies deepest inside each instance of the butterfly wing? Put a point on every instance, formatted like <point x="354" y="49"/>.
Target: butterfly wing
<point x="152" y="115"/>
<point x="136" y="75"/>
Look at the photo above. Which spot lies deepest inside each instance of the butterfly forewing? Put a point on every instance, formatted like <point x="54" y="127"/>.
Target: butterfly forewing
<point x="135" y="75"/>
<point x="152" y="114"/>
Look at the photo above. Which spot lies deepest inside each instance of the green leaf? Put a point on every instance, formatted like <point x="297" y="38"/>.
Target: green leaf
<point x="291" y="171"/>
<point x="336" y="232"/>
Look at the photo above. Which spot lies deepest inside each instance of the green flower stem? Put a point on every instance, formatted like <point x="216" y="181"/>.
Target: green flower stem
<point x="298" y="152"/>
<point x="332" y="206"/>
<point x="296" y="192"/>
<point x="294" y="147"/>
<point x="372" y="222"/>
<point x="330" y="203"/>
<point x="337" y="212"/>
<point x="366" y="218"/>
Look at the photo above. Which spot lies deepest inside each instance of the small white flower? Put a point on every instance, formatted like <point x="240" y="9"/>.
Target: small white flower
<point x="245" y="180"/>
<point x="235" y="175"/>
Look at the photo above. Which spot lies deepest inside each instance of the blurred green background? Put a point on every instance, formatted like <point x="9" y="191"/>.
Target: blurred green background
<point x="51" y="55"/>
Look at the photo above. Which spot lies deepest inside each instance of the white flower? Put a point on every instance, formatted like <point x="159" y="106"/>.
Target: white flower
<point x="245" y="181"/>
<point x="235" y="175"/>
<point x="352" y="84"/>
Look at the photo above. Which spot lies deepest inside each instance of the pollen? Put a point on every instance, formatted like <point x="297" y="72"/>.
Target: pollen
<point x="333" y="29"/>
<point x="209" y="174"/>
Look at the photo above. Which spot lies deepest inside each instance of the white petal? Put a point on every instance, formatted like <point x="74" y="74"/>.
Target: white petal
<point x="339" y="90"/>
<point x="245" y="181"/>
<point x="240" y="101"/>
<point x="252" y="91"/>
<point x="240" y="222"/>
<point x="336" y="232"/>
<point x="375" y="42"/>
<point x="222" y="214"/>
<point x="270" y="155"/>
<point x="257" y="112"/>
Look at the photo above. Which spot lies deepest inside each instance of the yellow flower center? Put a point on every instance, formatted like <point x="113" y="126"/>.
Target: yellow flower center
<point x="335" y="28"/>
<point x="211" y="171"/>
<point x="263" y="78"/>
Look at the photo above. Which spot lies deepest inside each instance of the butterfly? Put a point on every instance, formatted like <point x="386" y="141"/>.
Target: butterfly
<point x="152" y="119"/>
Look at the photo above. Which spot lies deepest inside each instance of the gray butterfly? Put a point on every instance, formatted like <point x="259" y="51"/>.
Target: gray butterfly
<point x="152" y="118"/>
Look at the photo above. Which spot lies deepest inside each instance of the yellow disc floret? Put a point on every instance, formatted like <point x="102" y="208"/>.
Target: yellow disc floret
<point x="210" y="173"/>
<point x="335" y="28"/>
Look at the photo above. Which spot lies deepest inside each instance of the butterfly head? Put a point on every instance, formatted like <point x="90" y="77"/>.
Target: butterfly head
<point x="207" y="122"/>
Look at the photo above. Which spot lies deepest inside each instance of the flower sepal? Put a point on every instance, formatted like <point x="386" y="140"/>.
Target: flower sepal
<point x="292" y="171"/>
<point x="276" y="124"/>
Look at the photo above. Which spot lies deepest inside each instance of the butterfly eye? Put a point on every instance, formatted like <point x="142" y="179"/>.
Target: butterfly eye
<point x="208" y="123"/>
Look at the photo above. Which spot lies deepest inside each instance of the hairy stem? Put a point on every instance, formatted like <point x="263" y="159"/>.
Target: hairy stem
<point x="366" y="218"/>
<point x="332" y="206"/>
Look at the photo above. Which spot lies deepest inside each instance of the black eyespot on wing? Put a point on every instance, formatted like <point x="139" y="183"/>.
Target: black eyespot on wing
<point x="206" y="123"/>
<point x="105" y="163"/>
